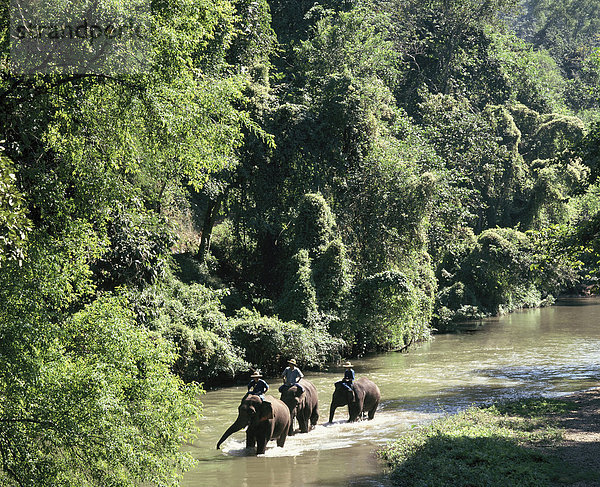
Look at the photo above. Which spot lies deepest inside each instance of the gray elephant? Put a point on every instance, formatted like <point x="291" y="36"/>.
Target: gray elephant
<point x="364" y="399"/>
<point x="266" y="420"/>
<point x="303" y="404"/>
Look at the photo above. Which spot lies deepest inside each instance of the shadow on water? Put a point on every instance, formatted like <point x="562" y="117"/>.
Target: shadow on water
<point x="580" y="301"/>
<point x="362" y="481"/>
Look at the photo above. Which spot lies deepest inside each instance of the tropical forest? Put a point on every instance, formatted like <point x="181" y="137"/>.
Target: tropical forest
<point x="319" y="180"/>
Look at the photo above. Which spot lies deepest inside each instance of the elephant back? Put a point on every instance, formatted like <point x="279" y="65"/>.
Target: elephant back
<point x="368" y="388"/>
<point x="281" y="415"/>
<point x="277" y="404"/>
<point x="309" y="394"/>
<point x="309" y="389"/>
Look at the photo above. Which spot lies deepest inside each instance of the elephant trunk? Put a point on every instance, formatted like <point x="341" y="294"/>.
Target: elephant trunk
<point x="238" y="425"/>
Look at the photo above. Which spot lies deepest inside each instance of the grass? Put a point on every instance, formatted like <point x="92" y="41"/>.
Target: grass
<point x="499" y="445"/>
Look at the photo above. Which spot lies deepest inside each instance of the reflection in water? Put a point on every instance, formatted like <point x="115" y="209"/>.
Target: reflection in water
<point x="552" y="351"/>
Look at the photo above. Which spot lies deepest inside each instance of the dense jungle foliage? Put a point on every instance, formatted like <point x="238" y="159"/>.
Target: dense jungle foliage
<point x="284" y="178"/>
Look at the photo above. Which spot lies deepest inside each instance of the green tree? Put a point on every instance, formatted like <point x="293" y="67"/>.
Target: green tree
<point x="314" y="225"/>
<point x="479" y="150"/>
<point x="533" y="75"/>
<point x="386" y="313"/>
<point x="445" y="49"/>
<point x="14" y="223"/>
<point x="298" y="301"/>
<point x="589" y="151"/>
<point x="331" y="275"/>
<point x="86" y="398"/>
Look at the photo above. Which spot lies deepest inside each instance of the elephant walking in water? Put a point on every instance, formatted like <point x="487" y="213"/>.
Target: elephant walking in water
<point x="303" y="403"/>
<point x="364" y="399"/>
<point x="266" y="420"/>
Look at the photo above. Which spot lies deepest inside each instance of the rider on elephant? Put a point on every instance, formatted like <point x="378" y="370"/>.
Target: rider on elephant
<point x="291" y="376"/>
<point x="348" y="380"/>
<point x="257" y="385"/>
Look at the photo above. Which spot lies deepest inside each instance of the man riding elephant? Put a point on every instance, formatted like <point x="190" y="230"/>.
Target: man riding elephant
<point x="348" y="380"/>
<point x="257" y="385"/>
<point x="291" y="376"/>
<point x="303" y="402"/>
<point x="366" y="398"/>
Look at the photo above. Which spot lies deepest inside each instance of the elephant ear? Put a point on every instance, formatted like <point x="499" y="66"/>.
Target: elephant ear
<point x="266" y="411"/>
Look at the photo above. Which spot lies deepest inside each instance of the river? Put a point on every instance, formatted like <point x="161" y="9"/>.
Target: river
<point x="551" y="351"/>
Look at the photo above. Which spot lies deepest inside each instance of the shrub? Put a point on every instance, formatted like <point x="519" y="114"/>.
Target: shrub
<point x="191" y="317"/>
<point x="314" y="225"/>
<point x="527" y="120"/>
<point x="498" y="267"/>
<point x="203" y="355"/>
<point x="505" y="270"/>
<point x="139" y="244"/>
<point x="269" y="342"/>
<point x="298" y="300"/>
<point x="331" y="276"/>
<point x="555" y="134"/>
<point x="387" y="312"/>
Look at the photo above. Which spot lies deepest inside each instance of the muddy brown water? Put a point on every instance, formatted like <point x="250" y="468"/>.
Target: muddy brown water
<point x="552" y="351"/>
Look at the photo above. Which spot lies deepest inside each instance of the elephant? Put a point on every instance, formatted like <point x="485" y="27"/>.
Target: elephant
<point x="303" y="404"/>
<point x="365" y="399"/>
<point x="267" y="419"/>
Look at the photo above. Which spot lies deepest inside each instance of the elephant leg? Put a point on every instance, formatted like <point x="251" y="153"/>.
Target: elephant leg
<point x="250" y="439"/>
<point x="282" y="438"/>
<point x="331" y="412"/>
<point x="314" y="417"/>
<point x="354" y="412"/>
<point x="261" y="445"/>
<point x="303" y="421"/>
<point x="372" y="410"/>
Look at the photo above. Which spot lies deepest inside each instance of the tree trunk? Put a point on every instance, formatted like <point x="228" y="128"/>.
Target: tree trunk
<point x="207" y="227"/>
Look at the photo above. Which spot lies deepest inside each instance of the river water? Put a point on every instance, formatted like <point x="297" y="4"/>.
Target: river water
<point x="551" y="351"/>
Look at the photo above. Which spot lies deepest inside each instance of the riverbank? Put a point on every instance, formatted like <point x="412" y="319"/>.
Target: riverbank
<point x="533" y="442"/>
